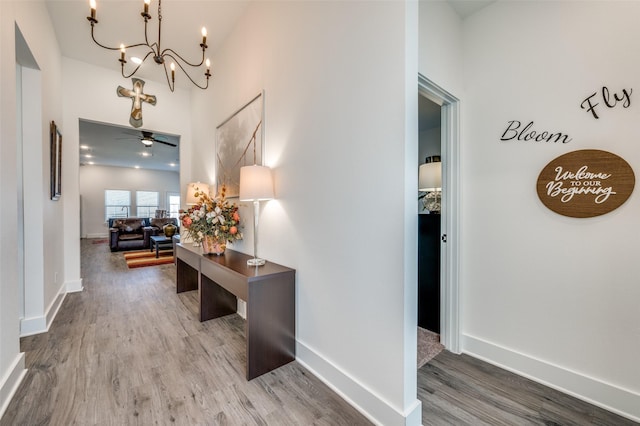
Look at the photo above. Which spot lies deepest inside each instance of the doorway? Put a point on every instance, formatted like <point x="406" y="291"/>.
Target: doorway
<point x="447" y="301"/>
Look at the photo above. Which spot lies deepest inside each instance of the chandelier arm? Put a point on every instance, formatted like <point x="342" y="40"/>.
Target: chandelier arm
<point x="164" y="65"/>
<point x="171" y="53"/>
<point x="138" y="67"/>
<point x="184" y="71"/>
<point x="146" y="37"/>
<point x="116" y="48"/>
<point x="155" y="49"/>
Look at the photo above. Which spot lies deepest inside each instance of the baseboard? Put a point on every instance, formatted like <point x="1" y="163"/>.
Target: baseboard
<point x="74" y="286"/>
<point x="10" y="382"/>
<point x="605" y="395"/>
<point x="41" y="324"/>
<point x="95" y="236"/>
<point x="374" y="407"/>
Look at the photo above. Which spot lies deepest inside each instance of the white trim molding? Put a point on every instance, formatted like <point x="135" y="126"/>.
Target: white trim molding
<point x="450" y="246"/>
<point x="612" y="398"/>
<point x="74" y="286"/>
<point x="375" y="408"/>
<point x="99" y="235"/>
<point x="41" y="324"/>
<point x="11" y="381"/>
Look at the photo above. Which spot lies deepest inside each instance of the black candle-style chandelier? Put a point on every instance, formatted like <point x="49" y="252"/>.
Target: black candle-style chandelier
<point x="159" y="55"/>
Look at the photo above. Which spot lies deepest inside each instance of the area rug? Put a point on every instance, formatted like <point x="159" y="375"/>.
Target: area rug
<point x="140" y="258"/>
<point x="99" y="241"/>
<point x="428" y="346"/>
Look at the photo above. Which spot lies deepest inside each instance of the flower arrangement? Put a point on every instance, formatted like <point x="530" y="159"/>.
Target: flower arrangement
<point x="215" y="218"/>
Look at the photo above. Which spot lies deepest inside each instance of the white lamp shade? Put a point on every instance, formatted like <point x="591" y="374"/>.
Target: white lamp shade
<point x="194" y="187"/>
<point x="430" y="176"/>
<point x="255" y="183"/>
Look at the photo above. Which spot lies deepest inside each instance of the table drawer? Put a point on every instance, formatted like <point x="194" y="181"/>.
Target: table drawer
<point x="225" y="278"/>
<point x="189" y="257"/>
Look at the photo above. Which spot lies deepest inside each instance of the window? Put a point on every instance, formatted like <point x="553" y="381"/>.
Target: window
<point x="147" y="203"/>
<point x="117" y="203"/>
<point x="173" y="201"/>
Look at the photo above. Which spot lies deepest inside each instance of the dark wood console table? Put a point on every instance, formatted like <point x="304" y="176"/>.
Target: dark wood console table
<point x="268" y="290"/>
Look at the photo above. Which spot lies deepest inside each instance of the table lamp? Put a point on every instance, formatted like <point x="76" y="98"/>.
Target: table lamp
<point x="256" y="185"/>
<point x="430" y="181"/>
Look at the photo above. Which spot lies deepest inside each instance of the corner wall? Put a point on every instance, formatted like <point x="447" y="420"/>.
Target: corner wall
<point x="169" y="115"/>
<point x="33" y="21"/>
<point x="550" y="297"/>
<point x="339" y="126"/>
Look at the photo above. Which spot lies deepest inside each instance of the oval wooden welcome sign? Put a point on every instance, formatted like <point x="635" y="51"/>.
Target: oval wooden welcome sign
<point x="585" y="183"/>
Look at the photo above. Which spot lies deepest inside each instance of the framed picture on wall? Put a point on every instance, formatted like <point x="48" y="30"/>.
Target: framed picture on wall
<point x="56" y="161"/>
<point x="239" y="142"/>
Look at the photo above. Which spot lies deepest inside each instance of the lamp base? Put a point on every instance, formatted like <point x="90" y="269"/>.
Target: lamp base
<point x="256" y="262"/>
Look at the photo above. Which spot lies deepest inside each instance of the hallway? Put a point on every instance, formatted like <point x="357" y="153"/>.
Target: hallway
<point x="129" y="350"/>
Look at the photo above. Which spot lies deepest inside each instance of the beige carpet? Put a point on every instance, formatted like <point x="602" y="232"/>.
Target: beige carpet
<point x="428" y="346"/>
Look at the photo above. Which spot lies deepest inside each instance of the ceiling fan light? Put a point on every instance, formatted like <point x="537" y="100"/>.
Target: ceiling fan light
<point x="146" y="142"/>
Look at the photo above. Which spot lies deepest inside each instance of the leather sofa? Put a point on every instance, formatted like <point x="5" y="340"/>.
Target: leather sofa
<point x="129" y="233"/>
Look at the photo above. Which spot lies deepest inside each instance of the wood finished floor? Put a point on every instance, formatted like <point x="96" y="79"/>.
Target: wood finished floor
<point x="461" y="390"/>
<point x="128" y="350"/>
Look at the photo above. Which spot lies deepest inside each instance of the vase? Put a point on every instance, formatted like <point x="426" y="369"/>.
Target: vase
<point x="211" y="245"/>
<point x="169" y="230"/>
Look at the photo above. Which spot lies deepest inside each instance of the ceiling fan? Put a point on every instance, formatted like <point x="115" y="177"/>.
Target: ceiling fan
<point x="147" y="139"/>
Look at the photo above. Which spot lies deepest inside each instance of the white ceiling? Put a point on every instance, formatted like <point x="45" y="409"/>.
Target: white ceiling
<point x="110" y="145"/>
<point x="119" y="21"/>
<point x="466" y="8"/>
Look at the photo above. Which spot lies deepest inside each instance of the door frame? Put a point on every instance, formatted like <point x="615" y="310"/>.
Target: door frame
<point x="450" y="217"/>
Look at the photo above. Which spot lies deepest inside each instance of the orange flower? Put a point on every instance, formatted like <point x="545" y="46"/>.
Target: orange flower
<point x="233" y="230"/>
<point x="236" y="216"/>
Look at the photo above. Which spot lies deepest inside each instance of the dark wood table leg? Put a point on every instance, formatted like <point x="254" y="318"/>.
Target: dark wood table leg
<point x="270" y="326"/>
<point x="186" y="277"/>
<point x="215" y="301"/>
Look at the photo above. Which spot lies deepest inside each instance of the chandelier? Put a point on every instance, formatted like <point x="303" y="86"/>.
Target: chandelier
<point x="158" y="54"/>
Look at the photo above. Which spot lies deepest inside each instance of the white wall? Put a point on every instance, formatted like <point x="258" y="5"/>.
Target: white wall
<point x="441" y="37"/>
<point x="94" y="180"/>
<point x="429" y="143"/>
<point x="169" y="115"/>
<point x="555" y="299"/>
<point x="337" y="114"/>
<point x="33" y="21"/>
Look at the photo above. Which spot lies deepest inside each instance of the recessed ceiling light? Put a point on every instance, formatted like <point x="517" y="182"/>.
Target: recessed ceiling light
<point x="84" y="146"/>
<point x="172" y="164"/>
<point x="88" y="156"/>
<point x="146" y="154"/>
<point x="136" y="60"/>
<point x="91" y="163"/>
<point x="136" y="167"/>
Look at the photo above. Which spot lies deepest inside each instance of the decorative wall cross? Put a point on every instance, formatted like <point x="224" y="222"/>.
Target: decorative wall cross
<point x="137" y="97"/>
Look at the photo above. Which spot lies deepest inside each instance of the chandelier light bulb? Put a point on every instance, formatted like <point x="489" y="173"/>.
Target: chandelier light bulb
<point x="146" y="7"/>
<point x="122" y="50"/>
<point x="173" y="71"/>
<point x="208" y="63"/>
<point x="204" y="36"/>
<point x="92" y="5"/>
